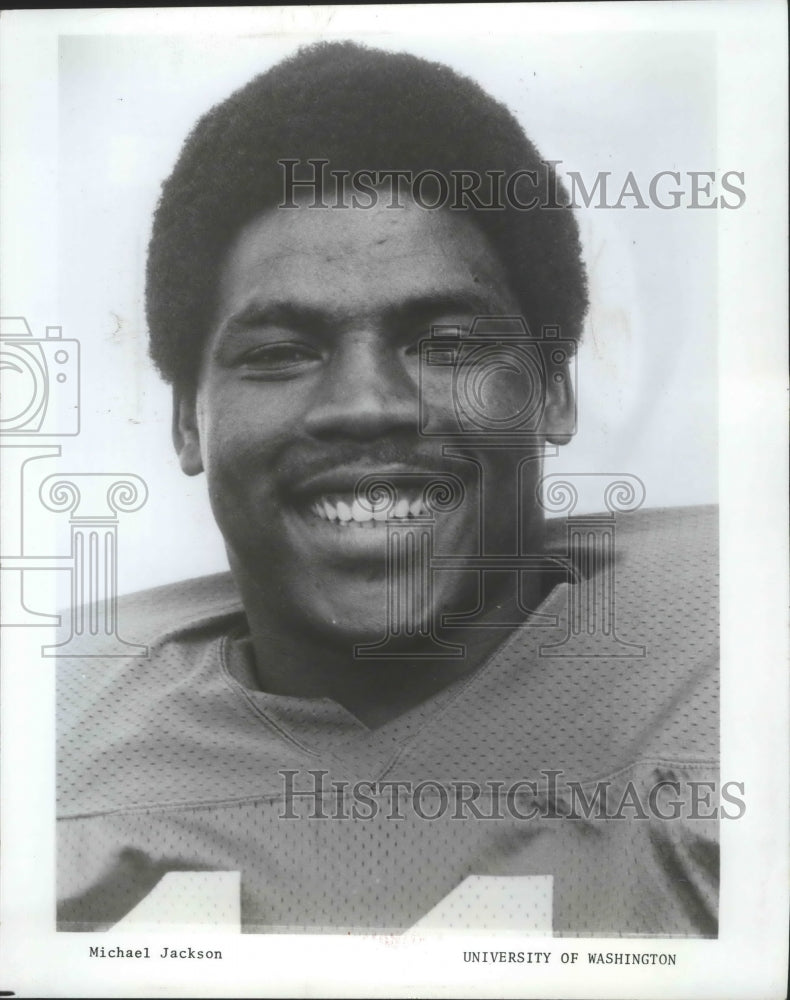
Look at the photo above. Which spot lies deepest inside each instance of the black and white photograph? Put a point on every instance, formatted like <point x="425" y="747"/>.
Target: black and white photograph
<point x="394" y="456"/>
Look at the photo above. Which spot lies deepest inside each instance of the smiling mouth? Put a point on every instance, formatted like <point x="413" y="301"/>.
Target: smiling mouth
<point x="348" y="511"/>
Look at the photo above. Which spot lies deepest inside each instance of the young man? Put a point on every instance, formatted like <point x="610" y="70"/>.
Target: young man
<point x="365" y="289"/>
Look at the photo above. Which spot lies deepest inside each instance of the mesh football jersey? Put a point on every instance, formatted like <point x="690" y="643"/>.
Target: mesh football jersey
<point x="551" y="768"/>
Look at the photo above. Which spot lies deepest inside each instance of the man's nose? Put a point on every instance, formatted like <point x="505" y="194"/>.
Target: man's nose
<point x="366" y="391"/>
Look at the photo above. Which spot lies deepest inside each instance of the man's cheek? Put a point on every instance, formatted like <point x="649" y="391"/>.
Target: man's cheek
<point x="437" y="407"/>
<point x="474" y="401"/>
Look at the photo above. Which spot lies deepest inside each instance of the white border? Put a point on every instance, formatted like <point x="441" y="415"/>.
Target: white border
<point x="750" y="957"/>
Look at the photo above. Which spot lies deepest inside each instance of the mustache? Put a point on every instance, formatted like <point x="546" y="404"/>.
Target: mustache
<point x="302" y="463"/>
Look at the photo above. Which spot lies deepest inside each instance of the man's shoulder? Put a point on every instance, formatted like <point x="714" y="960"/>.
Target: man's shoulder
<point x="668" y="535"/>
<point x="698" y="524"/>
<point x="627" y="671"/>
<point x="651" y="520"/>
<point x="657" y="564"/>
<point x="151" y="615"/>
<point x="169" y="631"/>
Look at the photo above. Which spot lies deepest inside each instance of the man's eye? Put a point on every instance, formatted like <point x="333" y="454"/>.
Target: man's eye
<point x="280" y="359"/>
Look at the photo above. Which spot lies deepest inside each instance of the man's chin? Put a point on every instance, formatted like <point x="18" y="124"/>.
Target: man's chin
<point x="349" y="602"/>
<point x="346" y="623"/>
<point x="367" y="616"/>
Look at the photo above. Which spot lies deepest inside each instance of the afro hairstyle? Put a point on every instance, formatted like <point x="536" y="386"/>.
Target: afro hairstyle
<point x="360" y="109"/>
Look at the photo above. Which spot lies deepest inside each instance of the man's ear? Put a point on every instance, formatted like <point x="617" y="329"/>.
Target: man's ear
<point x="559" y="412"/>
<point x="186" y="437"/>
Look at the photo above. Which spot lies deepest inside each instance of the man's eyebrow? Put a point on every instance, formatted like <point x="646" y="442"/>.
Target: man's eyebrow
<point x="424" y="306"/>
<point x="304" y="316"/>
<point x="294" y="315"/>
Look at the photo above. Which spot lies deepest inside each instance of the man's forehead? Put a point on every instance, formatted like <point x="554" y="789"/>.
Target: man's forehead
<point x="378" y="229"/>
<point x="304" y="308"/>
<point x="315" y="255"/>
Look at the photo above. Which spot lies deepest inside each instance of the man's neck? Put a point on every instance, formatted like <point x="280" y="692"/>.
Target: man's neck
<point x="291" y="660"/>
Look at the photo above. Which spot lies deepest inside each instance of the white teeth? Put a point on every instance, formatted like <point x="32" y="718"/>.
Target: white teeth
<point x="360" y="513"/>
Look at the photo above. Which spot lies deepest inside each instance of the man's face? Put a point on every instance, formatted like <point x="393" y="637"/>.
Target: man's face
<point x="310" y="381"/>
